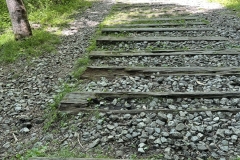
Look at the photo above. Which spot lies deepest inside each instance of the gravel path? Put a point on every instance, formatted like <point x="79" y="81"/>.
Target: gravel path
<point x="26" y="89"/>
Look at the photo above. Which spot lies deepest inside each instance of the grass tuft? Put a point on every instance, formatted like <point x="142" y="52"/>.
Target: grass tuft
<point x="81" y="66"/>
<point x="52" y="113"/>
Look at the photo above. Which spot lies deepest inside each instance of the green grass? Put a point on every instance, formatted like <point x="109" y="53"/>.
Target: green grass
<point x="57" y="14"/>
<point x="42" y="42"/>
<point x="52" y="114"/>
<point x="64" y="152"/>
<point x="231" y="4"/>
<point x="80" y="66"/>
<point x="46" y="14"/>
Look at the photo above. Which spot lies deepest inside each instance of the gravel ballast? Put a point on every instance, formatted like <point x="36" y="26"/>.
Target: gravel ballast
<point x="26" y="89"/>
<point x="158" y="83"/>
<point x="171" y="61"/>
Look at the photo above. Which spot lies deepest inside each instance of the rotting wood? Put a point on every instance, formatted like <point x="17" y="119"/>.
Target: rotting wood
<point x="71" y="110"/>
<point x="72" y="102"/>
<point x="154" y="51"/>
<point x="159" y="24"/>
<point x="154" y="29"/>
<point x="154" y="39"/>
<point x="120" y="5"/>
<point x="113" y="71"/>
<point x="94" y="95"/>
<point x="96" y="54"/>
<point x="165" y="19"/>
<point x="166" y="51"/>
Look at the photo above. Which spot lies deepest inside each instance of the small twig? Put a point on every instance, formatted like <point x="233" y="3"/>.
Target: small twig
<point x="64" y="140"/>
<point x="80" y="142"/>
<point x="84" y="150"/>
<point x="15" y="138"/>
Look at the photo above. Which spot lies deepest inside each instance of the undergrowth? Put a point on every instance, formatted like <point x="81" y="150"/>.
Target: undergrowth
<point x="52" y="114"/>
<point x="231" y="4"/>
<point x="43" y="16"/>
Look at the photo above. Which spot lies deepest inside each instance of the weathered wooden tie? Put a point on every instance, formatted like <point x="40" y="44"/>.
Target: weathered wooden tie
<point x="165" y="19"/>
<point x="83" y="97"/>
<point x="155" y="39"/>
<point x="159" y="24"/>
<point x="114" y="71"/>
<point x="102" y="54"/>
<point x="154" y="29"/>
<point x="76" y="102"/>
<point x="75" y="110"/>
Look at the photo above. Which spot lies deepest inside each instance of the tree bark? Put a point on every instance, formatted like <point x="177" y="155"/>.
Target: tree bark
<point x="20" y="23"/>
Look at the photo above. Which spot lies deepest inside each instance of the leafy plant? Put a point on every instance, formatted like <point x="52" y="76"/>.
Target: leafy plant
<point x="34" y="152"/>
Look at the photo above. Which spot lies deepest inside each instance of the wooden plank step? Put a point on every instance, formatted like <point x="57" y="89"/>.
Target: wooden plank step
<point x="76" y="102"/>
<point x="165" y="19"/>
<point x="120" y="5"/>
<point x="76" y="110"/>
<point x="83" y="97"/>
<point x="99" y="54"/>
<point x="113" y="71"/>
<point x="48" y="158"/>
<point x="159" y="51"/>
<point x="154" y="29"/>
<point x="160" y="24"/>
<point x="155" y="39"/>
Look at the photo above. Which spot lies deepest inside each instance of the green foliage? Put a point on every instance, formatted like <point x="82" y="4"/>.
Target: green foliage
<point x="45" y="13"/>
<point x="34" y="152"/>
<point x="80" y="66"/>
<point x="231" y="4"/>
<point x="5" y="21"/>
<point x="43" y="151"/>
<point x="52" y="114"/>
<point x="54" y="13"/>
<point x="66" y="153"/>
<point x="41" y="42"/>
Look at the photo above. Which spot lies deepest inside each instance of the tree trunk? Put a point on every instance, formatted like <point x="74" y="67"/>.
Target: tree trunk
<point x="18" y="14"/>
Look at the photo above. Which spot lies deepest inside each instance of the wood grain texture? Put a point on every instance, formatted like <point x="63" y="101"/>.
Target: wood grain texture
<point x="154" y="29"/>
<point x="154" y="39"/>
<point x="97" y="54"/>
<point x="160" y="24"/>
